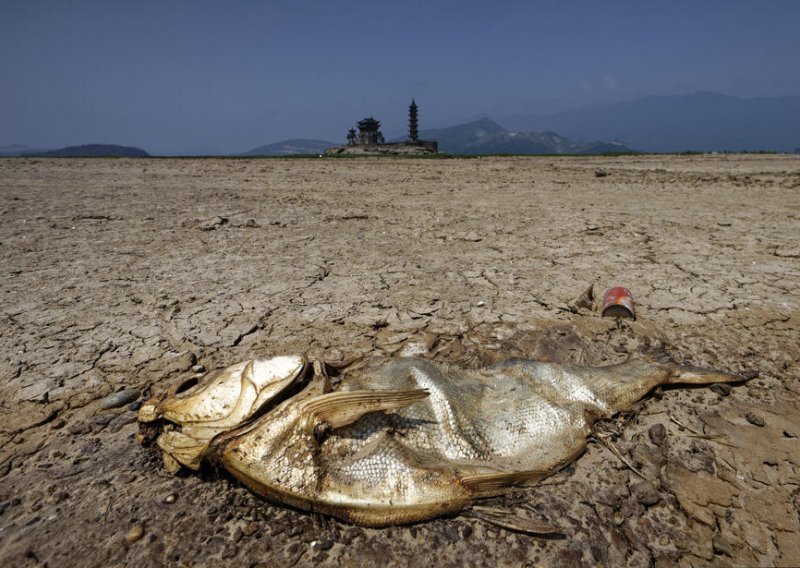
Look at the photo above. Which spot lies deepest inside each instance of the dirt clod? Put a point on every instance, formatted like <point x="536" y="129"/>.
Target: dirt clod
<point x="645" y="492"/>
<point x="755" y="419"/>
<point x="721" y="545"/>
<point x="657" y="434"/>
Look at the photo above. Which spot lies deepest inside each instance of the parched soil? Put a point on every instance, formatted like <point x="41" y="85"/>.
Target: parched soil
<point x="129" y="274"/>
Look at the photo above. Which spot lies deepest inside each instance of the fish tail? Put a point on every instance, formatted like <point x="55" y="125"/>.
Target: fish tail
<point x="681" y="374"/>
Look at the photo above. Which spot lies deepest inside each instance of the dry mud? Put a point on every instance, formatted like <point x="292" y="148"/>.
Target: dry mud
<point x="126" y="274"/>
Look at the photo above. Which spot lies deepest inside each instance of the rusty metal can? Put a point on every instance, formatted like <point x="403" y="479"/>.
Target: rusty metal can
<point x="618" y="303"/>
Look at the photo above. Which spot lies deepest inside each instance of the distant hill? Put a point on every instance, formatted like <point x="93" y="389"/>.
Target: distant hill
<point x="93" y="151"/>
<point x="700" y="121"/>
<point x="19" y="150"/>
<point x="484" y="136"/>
<point x="291" y="147"/>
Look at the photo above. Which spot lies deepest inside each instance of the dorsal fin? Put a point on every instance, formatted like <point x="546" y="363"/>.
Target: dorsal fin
<point x="342" y="408"/>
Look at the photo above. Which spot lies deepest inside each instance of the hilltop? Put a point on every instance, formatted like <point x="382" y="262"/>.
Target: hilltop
<point x="485" y="136"/>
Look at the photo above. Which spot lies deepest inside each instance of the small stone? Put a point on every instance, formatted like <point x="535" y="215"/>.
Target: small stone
<point x="657" y="434"/>
<point x="58" y="424"/>
<point x="466" y="532"/>
<point x="237" y="535"/>
<point x="664" y="540"/>
<point x="135" y="533"/>
<point x="135" y="405"/>
<point x="755" y="419"/>
<point x="645" y="492"/>
<point x="120" y="398"/>
<point x="104" y="419"/>
<point x="170" y="499"/>
<point x="229" y="551"/>
<point x="199" y="369"/>
<point x="600" y="173"/>
<point x="721" y="545"/>
<point x="322" y="545"/>
<point x="721" y="389"/>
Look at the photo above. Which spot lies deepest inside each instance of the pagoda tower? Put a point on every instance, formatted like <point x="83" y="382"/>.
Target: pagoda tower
<point x="413" y="124"/>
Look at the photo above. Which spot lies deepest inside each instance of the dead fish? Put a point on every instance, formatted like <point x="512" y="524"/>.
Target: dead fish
<point x="407" y="439"/>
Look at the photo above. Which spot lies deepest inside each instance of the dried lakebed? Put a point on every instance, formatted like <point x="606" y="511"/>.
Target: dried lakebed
<point x="121" y="275"/>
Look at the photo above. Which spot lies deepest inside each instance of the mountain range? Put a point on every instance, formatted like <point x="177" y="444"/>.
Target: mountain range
<point x="485" y="136"/>
<point x="84" y="151"/>
<point x="293" y="147"/>
<point x="699" y="121"/>
<point x="694" y="122"/>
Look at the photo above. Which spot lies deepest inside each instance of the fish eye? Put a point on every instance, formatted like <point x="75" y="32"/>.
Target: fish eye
<point x="186" y="385"/>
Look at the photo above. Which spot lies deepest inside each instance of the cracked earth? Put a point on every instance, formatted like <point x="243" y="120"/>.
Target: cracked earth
<point x="121" y="276"/>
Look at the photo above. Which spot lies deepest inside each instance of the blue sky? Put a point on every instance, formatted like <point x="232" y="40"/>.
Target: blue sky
<point x="228" y="76"/>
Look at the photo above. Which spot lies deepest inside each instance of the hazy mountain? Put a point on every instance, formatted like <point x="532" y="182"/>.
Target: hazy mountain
<point x="93" y="151"/>
<point x="699" y="121"/>
<point x="19" y="150"/>
<point x="292" y="147"/>
<point x="484" y="136"/>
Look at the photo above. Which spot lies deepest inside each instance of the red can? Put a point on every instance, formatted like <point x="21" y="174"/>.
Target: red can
<point x="618" y="303"/>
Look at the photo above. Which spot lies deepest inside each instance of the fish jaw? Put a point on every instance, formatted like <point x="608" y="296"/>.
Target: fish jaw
<point x="225" y="400"/>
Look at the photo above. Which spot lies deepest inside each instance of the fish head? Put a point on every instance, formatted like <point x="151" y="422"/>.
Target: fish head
<point x="196" y="410"/>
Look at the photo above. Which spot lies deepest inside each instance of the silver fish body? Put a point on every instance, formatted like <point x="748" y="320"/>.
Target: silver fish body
<point x="410" y="439"/>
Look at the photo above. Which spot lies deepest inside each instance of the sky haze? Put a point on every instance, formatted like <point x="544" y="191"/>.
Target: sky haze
<point x="178" y="77"/>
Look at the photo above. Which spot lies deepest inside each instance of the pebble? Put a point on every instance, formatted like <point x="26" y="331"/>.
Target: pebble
<point x="645" y="492"/>
<point x="755" y="419"/>
<point x="120" y="398"/>
<point x="199" y="369"/>
<point x="170" y="499"/>
<point x="135" y="533"/>
<point x="57" y="424"/>
<point x="657" y="434"/>
<point x="322" y="545"/>
<point x="135" y="405"/>
<point x="721" y="389"/>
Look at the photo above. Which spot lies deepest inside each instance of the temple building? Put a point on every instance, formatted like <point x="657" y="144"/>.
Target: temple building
<point x="368" y="139"/>
<point x="369" y="132"/>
